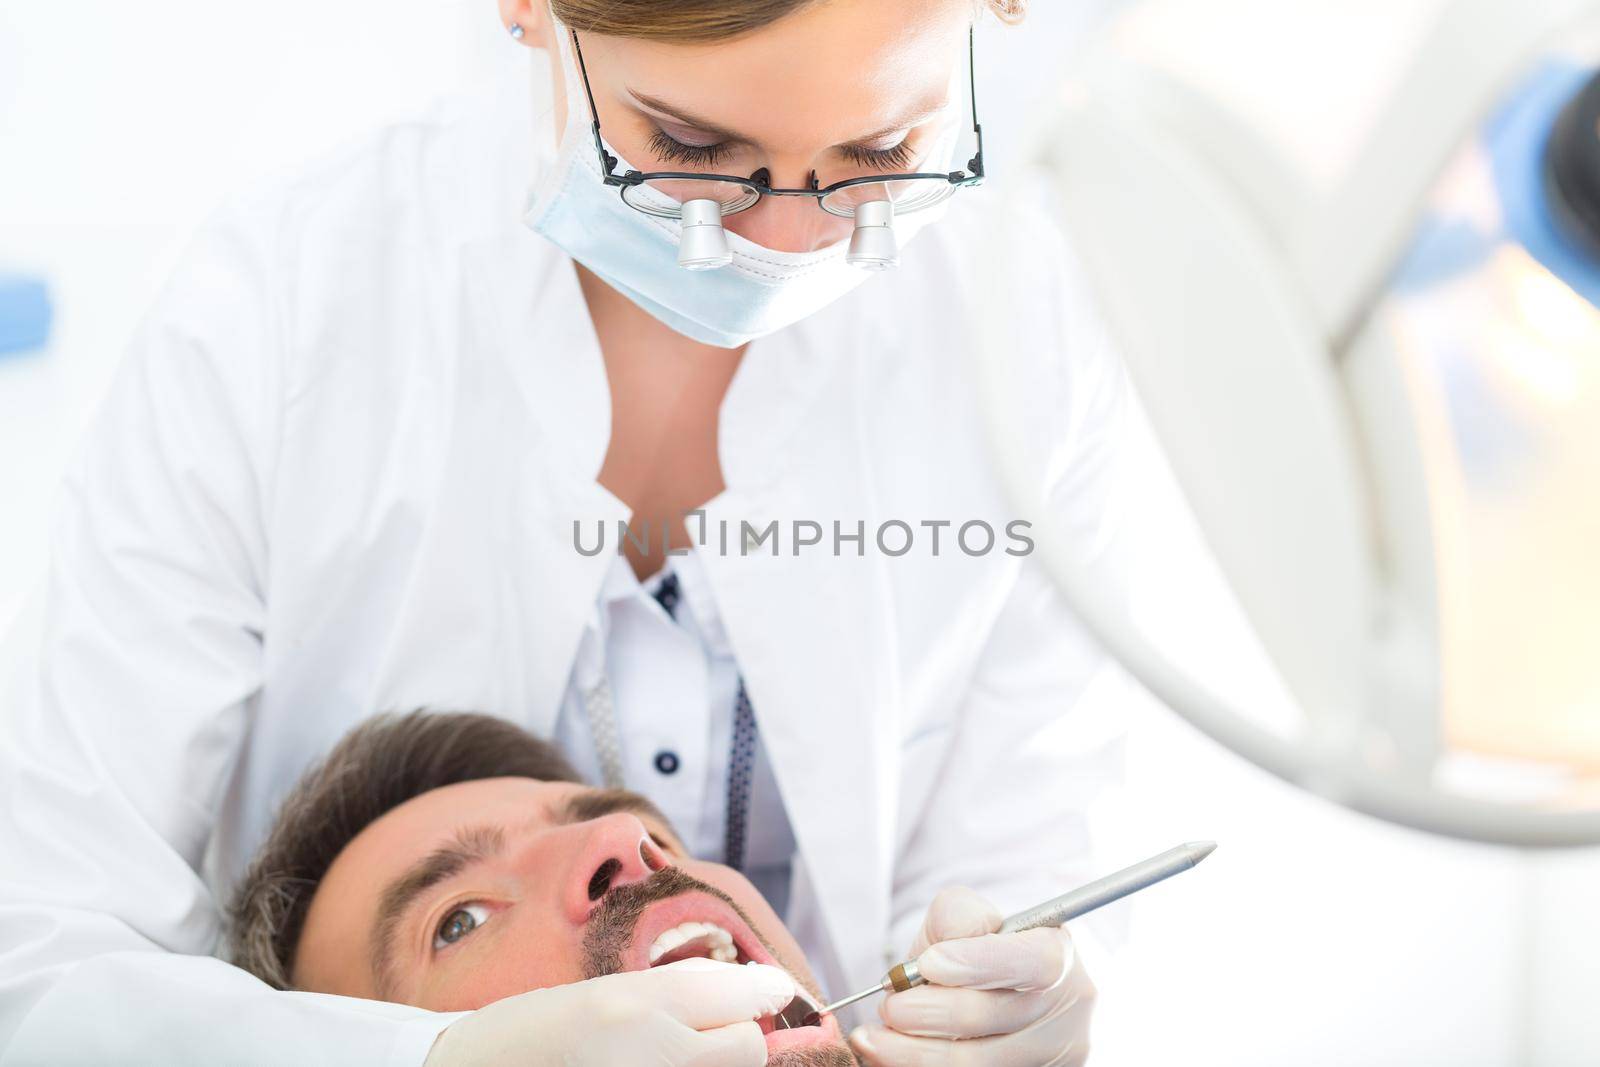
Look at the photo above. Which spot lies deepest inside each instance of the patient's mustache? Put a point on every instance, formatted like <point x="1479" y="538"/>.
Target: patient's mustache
<point x="611" y="926"/>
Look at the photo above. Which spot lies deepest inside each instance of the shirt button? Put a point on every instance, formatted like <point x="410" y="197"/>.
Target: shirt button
<point x="667" y="762"/>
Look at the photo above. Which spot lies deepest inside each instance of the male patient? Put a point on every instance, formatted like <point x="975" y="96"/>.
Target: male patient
<point x="452" y="860"/>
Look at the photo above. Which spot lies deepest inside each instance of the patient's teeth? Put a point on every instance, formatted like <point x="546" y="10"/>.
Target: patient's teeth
<point x="668" y="941"/>
<point x="719" y="943"/>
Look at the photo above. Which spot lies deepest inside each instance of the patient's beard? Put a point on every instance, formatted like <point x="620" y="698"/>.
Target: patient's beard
<point x="611" y="926"/>
<point x="610" y="931"/>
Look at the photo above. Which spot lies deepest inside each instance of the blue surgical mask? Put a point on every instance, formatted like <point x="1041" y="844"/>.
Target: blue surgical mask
<point x="760" y="292"/>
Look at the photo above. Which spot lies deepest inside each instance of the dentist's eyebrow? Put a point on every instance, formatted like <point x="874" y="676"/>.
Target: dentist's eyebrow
<point x="469" y="846"/>
<point x="916" y="118"/>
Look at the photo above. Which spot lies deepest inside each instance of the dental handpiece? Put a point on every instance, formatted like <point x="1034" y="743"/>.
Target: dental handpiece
<point x="1068" y="906"/>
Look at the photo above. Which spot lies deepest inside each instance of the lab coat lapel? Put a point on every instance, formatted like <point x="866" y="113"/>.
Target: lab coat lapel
<point x="801" y="630"/>
<point x="526" y="296"/>
<point x="810" y="632"/>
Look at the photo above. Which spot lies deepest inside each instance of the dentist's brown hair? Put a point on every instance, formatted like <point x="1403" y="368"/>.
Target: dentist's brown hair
<point x="699" y="21"/>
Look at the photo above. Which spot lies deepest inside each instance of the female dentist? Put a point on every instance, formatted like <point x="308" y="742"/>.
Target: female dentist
<point x="370" y="451"/>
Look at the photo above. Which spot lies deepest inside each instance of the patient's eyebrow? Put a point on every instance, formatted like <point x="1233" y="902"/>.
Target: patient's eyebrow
<point x="470" y="845"/>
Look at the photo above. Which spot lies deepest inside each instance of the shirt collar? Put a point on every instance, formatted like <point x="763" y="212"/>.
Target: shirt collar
<point x="621" y="583"/>
<point x="702" y="604"/>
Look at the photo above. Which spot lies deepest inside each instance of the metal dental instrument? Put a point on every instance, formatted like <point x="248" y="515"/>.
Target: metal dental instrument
<point x="1069" y="906"/>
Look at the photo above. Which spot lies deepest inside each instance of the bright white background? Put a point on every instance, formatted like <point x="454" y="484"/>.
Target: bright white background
<point x="1311" y="938"/>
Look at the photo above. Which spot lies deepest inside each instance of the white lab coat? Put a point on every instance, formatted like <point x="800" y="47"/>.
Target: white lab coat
<point x="338" y="473"/>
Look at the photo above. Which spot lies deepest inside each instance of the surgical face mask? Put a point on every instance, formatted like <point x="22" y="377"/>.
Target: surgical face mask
<point x="759" y="292"/>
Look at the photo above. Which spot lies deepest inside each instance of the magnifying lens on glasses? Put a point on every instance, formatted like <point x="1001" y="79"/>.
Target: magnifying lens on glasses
<point x="873" y="245"/>
<point x="703" y="244"/>
<point x="700" y="200"/>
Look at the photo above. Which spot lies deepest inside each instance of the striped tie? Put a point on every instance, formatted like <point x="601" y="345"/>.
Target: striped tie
<point x="741" y="769"/>
<point x="742" y="757"/>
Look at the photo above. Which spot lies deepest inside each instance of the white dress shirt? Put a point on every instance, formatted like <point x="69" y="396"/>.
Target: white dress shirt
<point x="672" y="684"/>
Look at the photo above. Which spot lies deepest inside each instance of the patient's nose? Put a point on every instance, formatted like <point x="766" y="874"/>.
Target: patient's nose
<point x="614" y="851"/>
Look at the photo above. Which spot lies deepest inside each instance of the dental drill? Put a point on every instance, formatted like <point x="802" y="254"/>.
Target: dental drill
<point x="1096" y="894"/>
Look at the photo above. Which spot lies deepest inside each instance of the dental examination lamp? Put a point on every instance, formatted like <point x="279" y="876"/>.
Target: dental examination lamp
<point x="1350" y="253"/>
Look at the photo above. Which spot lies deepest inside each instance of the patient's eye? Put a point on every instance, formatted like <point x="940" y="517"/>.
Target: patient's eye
<point x="459" y="924"/>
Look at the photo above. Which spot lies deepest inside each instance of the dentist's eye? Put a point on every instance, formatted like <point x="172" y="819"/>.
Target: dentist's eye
<point x="459" y="923"/>
<point x="669" y="148"/>
<point x="887" y="159"/>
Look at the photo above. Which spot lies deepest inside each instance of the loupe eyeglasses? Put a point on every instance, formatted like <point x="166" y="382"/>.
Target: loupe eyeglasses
<point x="702" y="200"/>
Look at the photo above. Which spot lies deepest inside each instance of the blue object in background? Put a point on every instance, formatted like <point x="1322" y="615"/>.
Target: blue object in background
<point x="1518" y="139"/>
<point x="25" y="314"/>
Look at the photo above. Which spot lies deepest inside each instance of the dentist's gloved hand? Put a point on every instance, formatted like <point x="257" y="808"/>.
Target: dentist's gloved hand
<point x="1001" y="1000"/>
<point x="694" y="1013"/>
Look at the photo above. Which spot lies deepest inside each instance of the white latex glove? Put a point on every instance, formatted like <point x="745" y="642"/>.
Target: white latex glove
<point x="694" y="1013"/>
<point x="1002" y="1000"/>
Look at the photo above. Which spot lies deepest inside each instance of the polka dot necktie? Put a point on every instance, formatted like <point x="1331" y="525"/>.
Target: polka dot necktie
<point x="742" y="757"/>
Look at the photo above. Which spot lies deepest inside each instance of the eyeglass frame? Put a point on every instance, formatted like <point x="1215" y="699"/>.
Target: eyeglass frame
<point x="633" y="178"/>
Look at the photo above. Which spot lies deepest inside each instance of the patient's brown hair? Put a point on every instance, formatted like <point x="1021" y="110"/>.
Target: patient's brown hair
<point x="381" y="764"/>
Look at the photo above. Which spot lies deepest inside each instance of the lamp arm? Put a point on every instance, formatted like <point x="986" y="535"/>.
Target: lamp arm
<point x="1391" y="799"/>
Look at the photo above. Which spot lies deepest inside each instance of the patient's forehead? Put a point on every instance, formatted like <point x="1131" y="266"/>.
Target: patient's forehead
<point x="425" y="821"/>
<point x="393" y="841"/>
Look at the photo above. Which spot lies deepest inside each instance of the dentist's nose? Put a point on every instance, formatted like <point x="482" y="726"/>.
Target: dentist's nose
<point x="612" y="851"/>
<point x="789" y="224"/>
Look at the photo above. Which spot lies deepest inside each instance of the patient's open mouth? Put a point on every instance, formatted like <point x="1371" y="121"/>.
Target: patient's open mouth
<point x="698" y="926"/>
<point x="693" y="940"/>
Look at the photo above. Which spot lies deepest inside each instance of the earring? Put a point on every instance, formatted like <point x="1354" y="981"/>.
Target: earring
<point x="517" y="31"/>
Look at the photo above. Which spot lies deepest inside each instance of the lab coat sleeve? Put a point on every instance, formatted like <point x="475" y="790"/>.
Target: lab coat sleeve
<point x="1040" y="736"/>
<point x="129" y="700"/>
